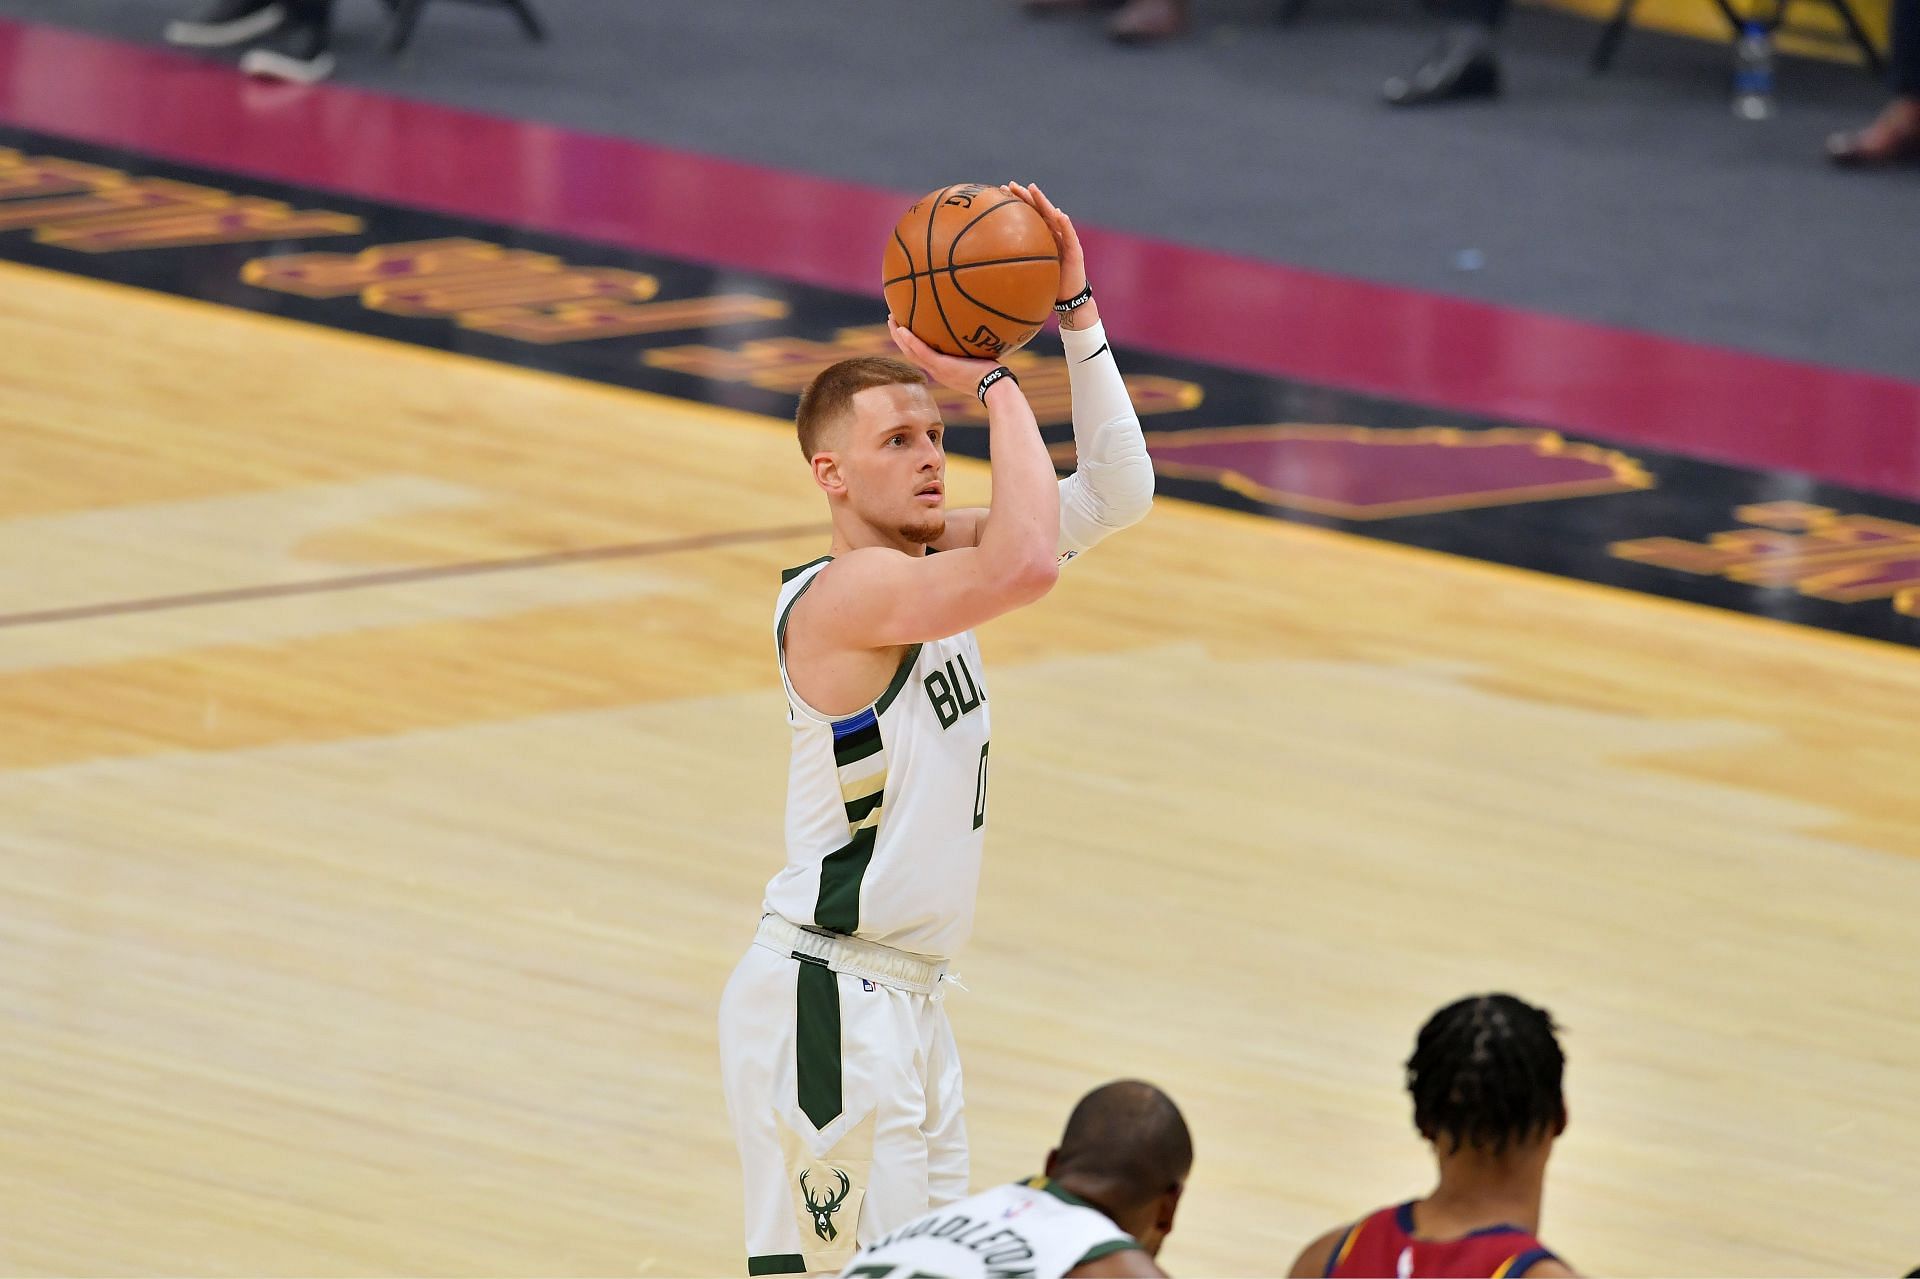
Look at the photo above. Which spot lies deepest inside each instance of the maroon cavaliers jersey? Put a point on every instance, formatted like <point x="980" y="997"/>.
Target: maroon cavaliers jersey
<point x="1383" y="1247"/>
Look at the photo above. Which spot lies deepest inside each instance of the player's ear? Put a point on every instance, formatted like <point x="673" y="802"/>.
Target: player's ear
<point x="1168" y="1205"/>
<point x="826" y="473"/>
<point x="1053" y="1161"/>
<point x="1565" y="1114"/>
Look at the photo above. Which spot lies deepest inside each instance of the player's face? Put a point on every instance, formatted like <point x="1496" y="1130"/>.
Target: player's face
<point x="894" y="459"/>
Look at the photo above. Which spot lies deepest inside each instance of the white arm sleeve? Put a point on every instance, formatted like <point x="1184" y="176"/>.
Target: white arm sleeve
<point x="1112" y="482"/>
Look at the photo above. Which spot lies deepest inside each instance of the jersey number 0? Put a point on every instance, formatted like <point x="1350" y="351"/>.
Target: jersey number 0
<point x="980" y="790"/>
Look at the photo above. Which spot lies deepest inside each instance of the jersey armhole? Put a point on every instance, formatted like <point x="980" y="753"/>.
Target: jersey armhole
<point x="879" y="704"/>
<point x="1107" y="1249"/>
<point x="780" y="649"/>
<point x="1341" y="1248"/>
<point x="1517" y="1265"/>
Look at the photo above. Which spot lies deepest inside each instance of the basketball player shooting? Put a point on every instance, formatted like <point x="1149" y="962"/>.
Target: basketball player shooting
<point x="839" y="1067"/>
<point x="1101" y="1211"/>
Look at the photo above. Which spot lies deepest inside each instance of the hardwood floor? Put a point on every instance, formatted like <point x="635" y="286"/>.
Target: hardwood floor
<point x="362" y="924"/>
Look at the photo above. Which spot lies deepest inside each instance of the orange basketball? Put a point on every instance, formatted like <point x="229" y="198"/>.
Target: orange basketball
<point x="971" y="270"/>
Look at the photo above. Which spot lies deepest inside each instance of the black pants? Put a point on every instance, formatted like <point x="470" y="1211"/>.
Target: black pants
<point x="1491" y="13"/>
<point x="1903" y="69"/>
<point x="311" y="13"/>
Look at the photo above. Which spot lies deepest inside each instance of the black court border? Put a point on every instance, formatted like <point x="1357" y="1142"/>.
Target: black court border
<point x="1568" y="537"/>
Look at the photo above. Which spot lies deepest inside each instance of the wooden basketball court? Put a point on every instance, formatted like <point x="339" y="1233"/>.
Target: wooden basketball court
<point x="374" y="863"/>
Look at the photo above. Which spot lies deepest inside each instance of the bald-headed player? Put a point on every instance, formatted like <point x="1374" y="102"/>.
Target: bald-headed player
<point x="1104" y="1206"/>
<point x="1485" y="1078"/>
<point x="839" y="1067"/>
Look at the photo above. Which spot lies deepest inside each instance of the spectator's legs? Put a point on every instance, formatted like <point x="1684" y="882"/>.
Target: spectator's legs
<point x="1904" y="73"/>
<point x="1894" y="136"/>
<point x="1146" y="21"/>
<point x="221" y="23"/>
<point x="1462" y="65"/>
<point x="299" y="50"/>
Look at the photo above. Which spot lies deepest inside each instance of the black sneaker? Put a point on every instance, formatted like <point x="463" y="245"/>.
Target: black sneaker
<point x="1462" y="66"/>
<point x="295" y="53"/>
<point x="228" y="22"/>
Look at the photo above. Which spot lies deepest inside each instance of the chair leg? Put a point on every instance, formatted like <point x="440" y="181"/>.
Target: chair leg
<point x="1610" y="38"/>
<point x="1737" y="22"/>
<point x="528" y="22"/>
<point x="406" y="15"/>
<point x="1859" y="35"/>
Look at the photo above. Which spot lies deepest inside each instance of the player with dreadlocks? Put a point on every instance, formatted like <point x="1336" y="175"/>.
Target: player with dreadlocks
<point x="1485" y="1079"/>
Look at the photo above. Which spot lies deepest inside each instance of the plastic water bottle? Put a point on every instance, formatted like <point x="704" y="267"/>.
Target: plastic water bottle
<point x="1753" y="72"/>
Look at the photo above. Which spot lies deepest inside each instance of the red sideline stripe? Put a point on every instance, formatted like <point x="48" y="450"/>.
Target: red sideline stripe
<point x="1632" y="388"/>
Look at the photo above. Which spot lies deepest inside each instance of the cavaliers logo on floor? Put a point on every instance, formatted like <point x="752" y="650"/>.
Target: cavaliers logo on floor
<point x="1368" y="473"/>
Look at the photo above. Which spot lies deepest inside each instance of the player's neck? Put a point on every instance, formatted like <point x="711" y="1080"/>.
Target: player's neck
<point x="1478" y="1190"/>
<point x="851" y="533"/>
<point x="1098" y="1195"/>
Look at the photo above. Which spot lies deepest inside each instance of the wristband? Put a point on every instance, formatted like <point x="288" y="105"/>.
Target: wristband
<point x="1075" y="302"/>
<point x="994" y="375"/>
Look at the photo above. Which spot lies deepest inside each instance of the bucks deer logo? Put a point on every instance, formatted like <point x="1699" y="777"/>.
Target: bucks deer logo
<point x="826" y="1205"/>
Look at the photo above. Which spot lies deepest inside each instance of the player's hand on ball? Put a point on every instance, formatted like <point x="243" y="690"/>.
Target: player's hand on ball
<point x="1073" y="262"/>
<point x="948" y="370"/>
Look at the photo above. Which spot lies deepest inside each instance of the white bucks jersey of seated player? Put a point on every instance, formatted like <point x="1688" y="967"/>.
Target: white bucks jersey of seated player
<point x="886" y="806"/>
<point x="1029" y="1230"/>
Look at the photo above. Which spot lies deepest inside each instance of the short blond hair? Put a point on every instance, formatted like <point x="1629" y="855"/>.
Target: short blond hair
<point x="830" y="395"/>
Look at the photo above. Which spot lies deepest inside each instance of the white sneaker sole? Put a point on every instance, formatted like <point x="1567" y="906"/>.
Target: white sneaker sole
<point x="218" y="35"/>
<point x="278" y="66"/>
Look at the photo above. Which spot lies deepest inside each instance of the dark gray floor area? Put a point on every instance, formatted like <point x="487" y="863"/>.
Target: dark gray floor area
<point x="1634" y="199"/>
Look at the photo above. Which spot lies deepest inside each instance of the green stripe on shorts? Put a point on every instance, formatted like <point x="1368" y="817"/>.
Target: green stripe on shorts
<point x="817" y="1042"/>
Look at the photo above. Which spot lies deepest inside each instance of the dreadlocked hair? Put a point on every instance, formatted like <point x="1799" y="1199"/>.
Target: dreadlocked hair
<point x="1485" y="1073"/>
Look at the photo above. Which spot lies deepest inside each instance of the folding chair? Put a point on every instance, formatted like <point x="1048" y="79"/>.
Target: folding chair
<point x="406" y="14"/>
<point x="1610" y="38"/>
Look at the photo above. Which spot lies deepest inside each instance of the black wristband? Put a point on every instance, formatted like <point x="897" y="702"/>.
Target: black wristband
<point x="1075" y="302"/>
<point x="994" y="375"/>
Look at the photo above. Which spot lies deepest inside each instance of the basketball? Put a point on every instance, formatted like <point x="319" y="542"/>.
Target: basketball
<point x="971" y="270"/>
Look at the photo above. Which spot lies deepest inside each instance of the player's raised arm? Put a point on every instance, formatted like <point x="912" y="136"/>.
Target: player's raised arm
<point x="1111" y="487"/>
<point x="878" y="596"/>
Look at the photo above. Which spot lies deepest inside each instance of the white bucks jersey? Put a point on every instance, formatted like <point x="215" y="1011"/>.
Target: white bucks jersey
<point x="1028" y="1230"/>
<point x="886" y="806"/>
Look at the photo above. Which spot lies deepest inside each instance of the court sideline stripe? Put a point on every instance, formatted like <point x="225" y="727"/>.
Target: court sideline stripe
<point x="423" y="573"/>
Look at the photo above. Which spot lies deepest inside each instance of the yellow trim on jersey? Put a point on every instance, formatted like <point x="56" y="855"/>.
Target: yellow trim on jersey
<point x="1505" y="1266"/>
<point x="1353" y="1237"/>
<point x="861" y="787"/>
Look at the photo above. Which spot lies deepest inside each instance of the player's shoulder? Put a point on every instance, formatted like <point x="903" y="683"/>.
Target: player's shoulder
<point x="1317" y="1257"/>
<point x="1534" y="1260"/>
<point x="1324" y="1255"/>
<point x="861" y="564"/>
<point x="1045" y="1200"/>
<point x="788" y="576"/>
<point x="1130" y="1262"/>
<point x="804" y="587"/>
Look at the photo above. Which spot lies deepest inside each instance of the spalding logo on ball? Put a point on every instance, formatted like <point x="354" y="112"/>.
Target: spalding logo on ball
<point x="972" y="271"/>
